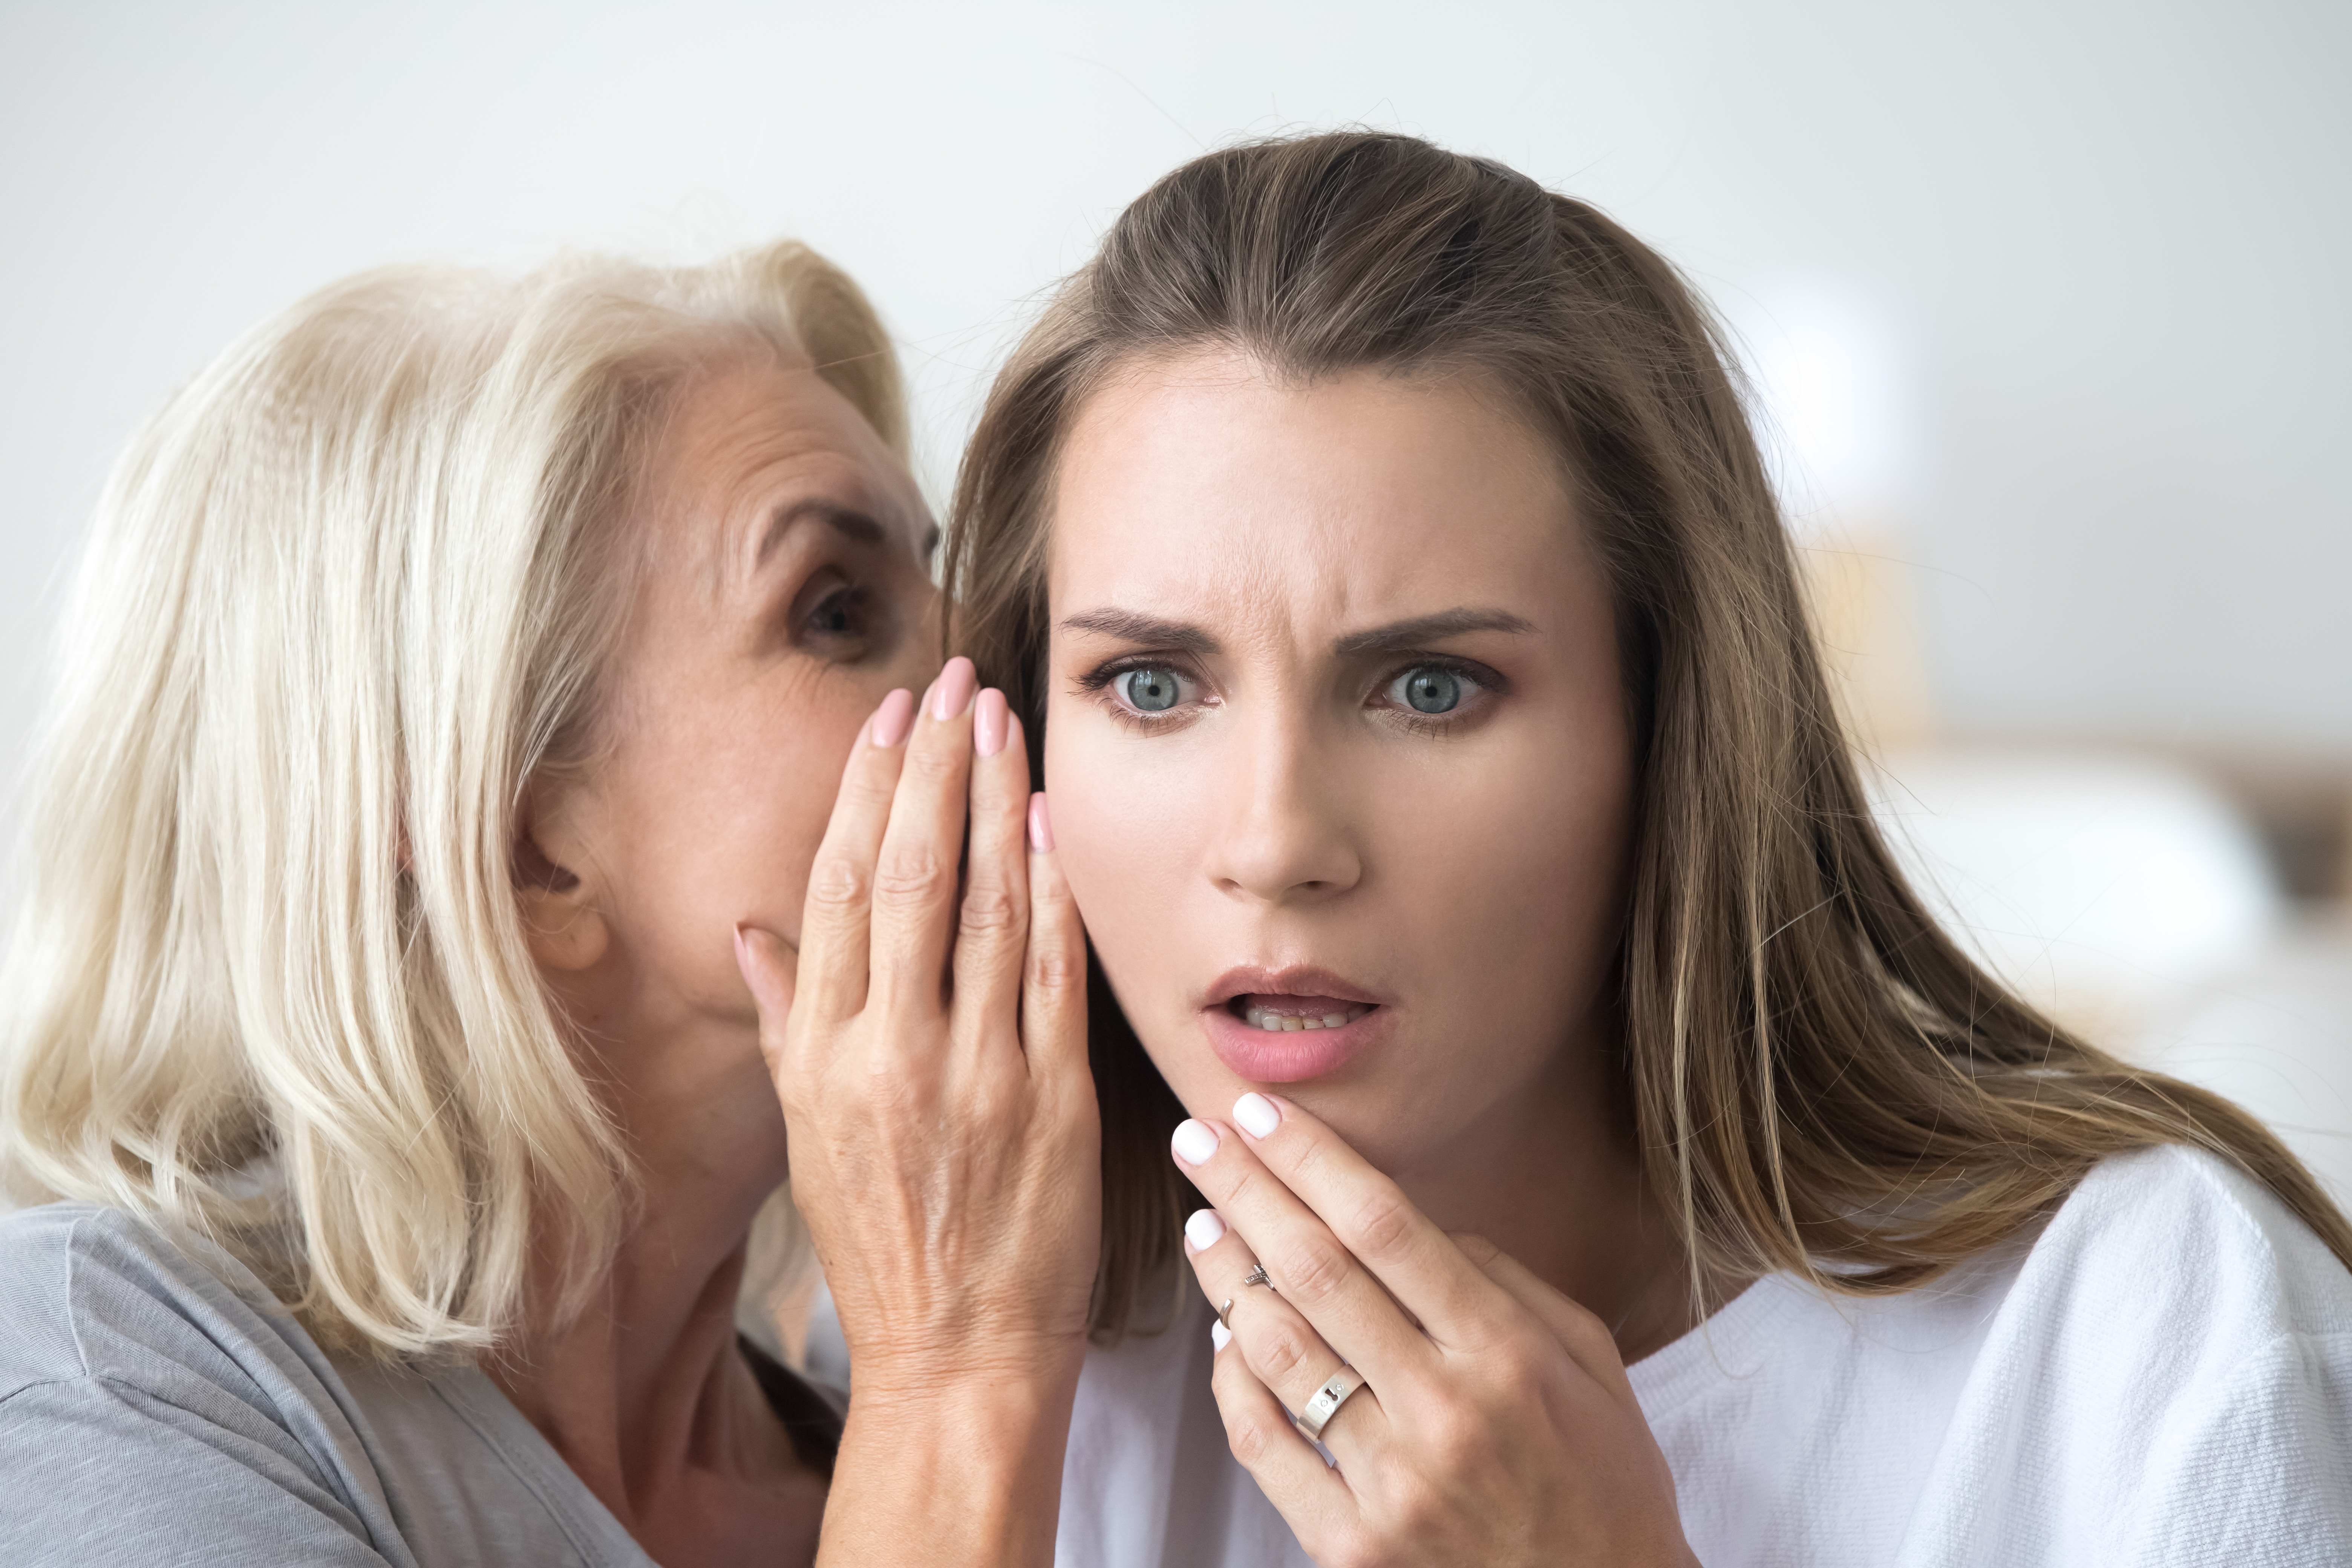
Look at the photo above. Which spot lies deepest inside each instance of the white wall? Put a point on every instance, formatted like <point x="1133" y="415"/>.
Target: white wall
<point x="2106" y="244"/>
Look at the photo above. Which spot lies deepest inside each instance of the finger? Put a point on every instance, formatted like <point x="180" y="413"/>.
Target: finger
<point x="1282" y="1348"/>
<point x="1369" y="1216"/>
<point x="1585" y="1337"/>
<point x="991" y="934"/>
<point x="836" y="917"/>
<point x="1313" y="1498"/>
<point x="767" y="962"/>
<point x="915" y="873"/>
<point x="1054" y="978"/>
<point x="1317" y="1276"/>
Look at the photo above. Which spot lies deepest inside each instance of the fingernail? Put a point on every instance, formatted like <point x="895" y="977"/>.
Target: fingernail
<point x="894" y="718"/>
<point x="1205" y="1229"/>
<point x="1220" y="1336"/>
<point x="1194" y="1143"/>
<point x="1041" y="830"/>
<point x="1256" y="1114"/>
<point x="988" y="719"/>
<point x="953" y="688"/>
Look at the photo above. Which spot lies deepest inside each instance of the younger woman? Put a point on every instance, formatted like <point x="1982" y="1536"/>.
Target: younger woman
<point x="1604" y="1152"/>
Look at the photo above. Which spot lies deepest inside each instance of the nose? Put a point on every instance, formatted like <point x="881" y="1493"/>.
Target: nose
<point x="1286" y="834"/>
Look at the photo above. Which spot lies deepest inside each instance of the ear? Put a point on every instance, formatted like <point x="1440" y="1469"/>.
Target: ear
<point x="563" y="926"/>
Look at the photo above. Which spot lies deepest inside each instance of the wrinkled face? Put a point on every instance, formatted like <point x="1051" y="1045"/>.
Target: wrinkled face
<point x="1336" y="748"/>
<point x="783" y="591"/>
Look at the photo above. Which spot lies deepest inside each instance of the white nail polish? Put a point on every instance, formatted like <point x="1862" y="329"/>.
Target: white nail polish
<point x="1256" y="1114"/>
<point x="1220" y="1336"/>
<point x="1194" y="1143"/>
<point x="1205" y="1229"/>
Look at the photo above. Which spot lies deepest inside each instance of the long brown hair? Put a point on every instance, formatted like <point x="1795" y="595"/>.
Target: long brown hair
<point x="1821" y="1080"/>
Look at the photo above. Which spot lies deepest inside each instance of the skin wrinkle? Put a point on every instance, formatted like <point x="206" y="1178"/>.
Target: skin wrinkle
<point x="729" y="703"/>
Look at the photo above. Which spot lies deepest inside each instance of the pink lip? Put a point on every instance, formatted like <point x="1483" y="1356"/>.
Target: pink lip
<point x="1290" y="1055"/>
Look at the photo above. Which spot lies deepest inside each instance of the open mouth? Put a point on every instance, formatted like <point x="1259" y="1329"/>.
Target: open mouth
<point x="1277" y="1013"/>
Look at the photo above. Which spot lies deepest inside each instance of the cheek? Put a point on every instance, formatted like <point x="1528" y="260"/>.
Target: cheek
<point x="1517" y="876"/>
<point x="725" y="811"/>
<point x="1130" y="832"/>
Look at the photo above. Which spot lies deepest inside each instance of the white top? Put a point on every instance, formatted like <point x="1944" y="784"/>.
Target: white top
<point x="2162" y="1375"/>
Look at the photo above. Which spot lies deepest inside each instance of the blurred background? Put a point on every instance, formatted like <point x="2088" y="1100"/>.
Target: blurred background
<point x="2046" y="307"/>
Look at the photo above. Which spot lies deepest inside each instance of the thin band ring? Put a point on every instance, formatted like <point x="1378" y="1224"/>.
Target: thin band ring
<point x="1326" y="1401"/>
<point x="1226" y="1314"/>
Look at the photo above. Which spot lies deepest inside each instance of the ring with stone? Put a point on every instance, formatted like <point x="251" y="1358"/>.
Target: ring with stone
<point x="1326" y="1401"/>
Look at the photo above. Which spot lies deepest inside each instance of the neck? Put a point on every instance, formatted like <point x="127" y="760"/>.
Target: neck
<point x="1550" y="1174"/>
<point x="645" y="1393"/>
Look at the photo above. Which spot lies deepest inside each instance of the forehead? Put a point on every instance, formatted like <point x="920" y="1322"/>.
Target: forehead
<point x="745" y="433"/>
<point x="1205" y="486"/>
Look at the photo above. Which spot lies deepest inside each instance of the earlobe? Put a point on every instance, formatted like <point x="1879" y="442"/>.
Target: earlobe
<point x="564" y="928"/>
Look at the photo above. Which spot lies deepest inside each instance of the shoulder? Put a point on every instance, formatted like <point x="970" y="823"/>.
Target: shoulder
<point x="2173" y="1236"/>
<point x="91" y="1291"/>
<point x="2168" y="1378"/>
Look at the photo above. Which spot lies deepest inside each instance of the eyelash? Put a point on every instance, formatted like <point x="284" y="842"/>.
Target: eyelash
<point x="849" y="599"/>
<point x="1097" y="684"/>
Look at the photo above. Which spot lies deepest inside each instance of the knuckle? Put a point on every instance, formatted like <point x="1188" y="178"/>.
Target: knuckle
<point x="908" y="875"/>
<point x="1247" y="1434"/>
<point x="988" y="911"/>
<point x="1476" y="1248"/>
<point x="1282" y="1351"/>
<point x="1053" y="968"/>
<point x="933" y="765"/>
<point x="1456" y="1438"/>
<point x="1383" y="1225"/>
<point x="837" y="882"/>
<point x="869" y="789"/>
<point x="1313" y="1270"/>
<point x="1514" y="1363"/>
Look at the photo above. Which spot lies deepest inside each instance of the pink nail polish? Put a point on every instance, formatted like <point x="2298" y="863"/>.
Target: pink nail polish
<point x="989" y="716"/>
<point x="894" y="718"/>
<point x="953" y="688"/>
<point x="1041" y="830"/>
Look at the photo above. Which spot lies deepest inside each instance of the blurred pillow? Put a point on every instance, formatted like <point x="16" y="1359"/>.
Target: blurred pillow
<point x="2104" y="886"/>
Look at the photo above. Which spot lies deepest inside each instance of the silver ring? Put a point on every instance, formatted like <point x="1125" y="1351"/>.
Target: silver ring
<point x="1226" y="1314"/>
<point x="1257" y="1275"/>
<point x="1327" y="1400"/>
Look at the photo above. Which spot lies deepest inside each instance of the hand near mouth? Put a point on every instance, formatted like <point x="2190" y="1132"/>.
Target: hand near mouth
<point x="1476" y="1414"/>
<point x="944" y="1138"/>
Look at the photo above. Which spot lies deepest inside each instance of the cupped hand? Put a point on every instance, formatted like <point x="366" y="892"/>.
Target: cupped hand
<point x="1493" y="1422"/>
<point x="929" y="1051"/>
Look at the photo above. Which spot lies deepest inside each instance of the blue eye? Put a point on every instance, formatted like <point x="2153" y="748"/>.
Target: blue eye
<point x="1148" y="690"/>
<point x="1430" y="689"/>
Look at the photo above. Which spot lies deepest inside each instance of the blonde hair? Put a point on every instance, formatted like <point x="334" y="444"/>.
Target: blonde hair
<point x="344" y="595"/>
<point x="1820" y="1080"/>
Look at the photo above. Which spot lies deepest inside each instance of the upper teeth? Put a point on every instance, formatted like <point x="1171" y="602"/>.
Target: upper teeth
<point x="1260" y="1018"/>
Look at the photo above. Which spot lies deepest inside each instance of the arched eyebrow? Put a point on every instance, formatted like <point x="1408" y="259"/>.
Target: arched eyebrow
<point x="846" y="522"/>
<point x="1146" y="631"/>
<point x="1397" y="636"/>
<point x="1405" y="637"/>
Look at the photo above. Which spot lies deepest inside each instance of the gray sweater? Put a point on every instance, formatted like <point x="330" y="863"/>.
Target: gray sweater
<point x="158" y="1407"/>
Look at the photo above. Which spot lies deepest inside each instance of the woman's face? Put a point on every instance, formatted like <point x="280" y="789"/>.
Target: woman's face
<point x="783" y="590"/>
<point x="1337" y="751"/>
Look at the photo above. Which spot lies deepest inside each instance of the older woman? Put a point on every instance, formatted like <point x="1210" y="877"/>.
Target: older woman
<point x="455" y="663"/>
